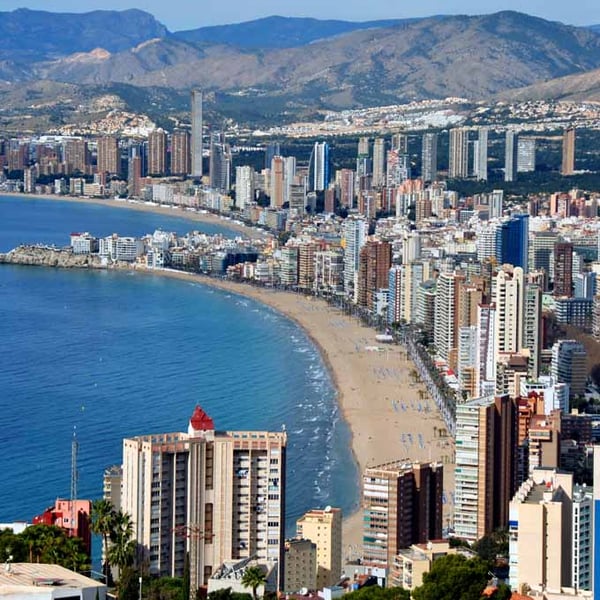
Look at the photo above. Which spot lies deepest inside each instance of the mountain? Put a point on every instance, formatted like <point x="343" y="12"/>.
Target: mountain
<point x="279" y="32"/>
<point x="36" y="35"/>
<point x="576" y="88"/>
<point x="474" y="57"/>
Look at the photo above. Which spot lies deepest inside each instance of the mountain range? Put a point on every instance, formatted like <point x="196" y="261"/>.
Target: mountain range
<point x="290" y="65"/>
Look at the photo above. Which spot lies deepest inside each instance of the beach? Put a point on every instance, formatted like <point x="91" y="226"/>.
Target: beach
<point x="390" y="415"/>
<point x="192" y="215"/>
<point x="387" y="409"/>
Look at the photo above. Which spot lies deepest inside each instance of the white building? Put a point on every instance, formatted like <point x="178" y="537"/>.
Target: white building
<point x="126" y="249"/>
<point x="83" y="243"/>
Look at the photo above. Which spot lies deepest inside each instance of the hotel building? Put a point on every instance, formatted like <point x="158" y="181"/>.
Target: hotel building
<point x="217" y="495"/>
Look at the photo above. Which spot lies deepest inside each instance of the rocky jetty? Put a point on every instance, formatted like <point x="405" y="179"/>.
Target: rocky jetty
<point x="62" y="258"/>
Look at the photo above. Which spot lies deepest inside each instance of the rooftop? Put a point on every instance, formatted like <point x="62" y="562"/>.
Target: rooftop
<point x="41" y="575"/>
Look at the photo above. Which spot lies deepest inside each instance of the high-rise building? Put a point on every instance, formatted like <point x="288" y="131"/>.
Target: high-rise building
<point x="550" y="524"/>
<point x="532" y="333"/>
<point x="569" y="365"/>
<point x="196" y="138"/>
<point x="511" y="156"/>
<point x="568" y="152"/>
<point x="378" y="162"/>
<point x="319" y="167"/>
<point x="563" y="269"/>
<point x="244" y="186"/>
<point x="220" y="163"/>
<point x="109" y="157"/>
<point x="374" y="265"/>
<point x="481" y="156"/>
<point x="512" y="241"/>
<point x="509" y="299"/>
<point x="75" y="156"/>
<point x="400" y="143"/>
<point x="526" y="155"/>
<point x="180" y="153"/>
<point x="277" y="182"/>
<point x="429" y="157"/>
<point x="445" y="334"/>
<point x="459" y="153"/>
<point x="402" y="505"/>
<point x="354" y="238"/>
<point x="324" y="528"/>
<point x="486" y="449"/>
<point x="486" y="349"/>
<point x="157" y="152"/>
<point x="213" y="494"/>
<point x="345" y="183"/>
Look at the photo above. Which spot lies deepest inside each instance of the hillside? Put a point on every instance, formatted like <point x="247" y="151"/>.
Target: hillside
<point x="576" y="88"/>
<point x="473" y="57"/>
<point x="279" y="32"/>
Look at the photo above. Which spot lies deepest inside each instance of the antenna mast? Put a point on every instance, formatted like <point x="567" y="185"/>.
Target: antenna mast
<point x="74" y="477"/>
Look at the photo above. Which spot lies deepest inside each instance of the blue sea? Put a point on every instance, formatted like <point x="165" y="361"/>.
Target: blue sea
<point x="110" y="355"/>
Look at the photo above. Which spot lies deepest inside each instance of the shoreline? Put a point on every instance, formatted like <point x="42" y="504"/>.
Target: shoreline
<point x="190" y="215"/>
<point x="389" y="417"/>
<point x="362" y="377"/>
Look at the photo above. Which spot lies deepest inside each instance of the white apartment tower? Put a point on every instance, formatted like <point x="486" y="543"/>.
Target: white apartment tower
<point x="509" y="300"/>
<point x="244" y="186"/>
<point x="217" y="495"/>
<point x="355" y="236"/>
<point x="481" y="156"/>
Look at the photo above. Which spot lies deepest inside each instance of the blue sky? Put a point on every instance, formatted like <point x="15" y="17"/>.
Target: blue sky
<point x="189" y="14"/>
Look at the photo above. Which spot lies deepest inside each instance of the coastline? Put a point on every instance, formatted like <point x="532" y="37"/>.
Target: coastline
<point x="390" y="417"/>
<point x="190" y="215"/>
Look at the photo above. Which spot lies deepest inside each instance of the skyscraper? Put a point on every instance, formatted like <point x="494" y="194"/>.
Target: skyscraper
<point x="109" y="158"/>
<point x="402" y="505"/>
<point x="569" y="365"/>
<point x="180" y="153"/>
<point x="373" y="271"/>
<point x="486" y="444"/>
<point x="563" y="269"/>
<point x="378" y="163"/>
<point x="512" y="241"/>
<point x="157" y="152"/>
<point x="220" y="163"/>
<point x="429" y="157"/>
<point x="213" y="494"/>
<point x="197" y="133"/>
<point x="509" y="298"/>
<point x="244" y="186"/>
<point x="354" y="238"/>
<point x="511" y="156"/>
<point x="568" y="152"/>
<point x="277" y="182"/>
<point x="459" y="153"/>
<point x="481" y="157"/>
<point x="319" y="167"/>
<point x="272" y="149"/>
<point x="75" y="156"/>
<point x="532" y="333"/>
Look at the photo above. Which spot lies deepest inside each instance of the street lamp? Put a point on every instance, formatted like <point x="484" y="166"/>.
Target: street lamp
<point x="140" y="592"/>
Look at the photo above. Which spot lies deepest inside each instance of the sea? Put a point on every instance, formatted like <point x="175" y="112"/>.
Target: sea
<point x="99" y="356"/>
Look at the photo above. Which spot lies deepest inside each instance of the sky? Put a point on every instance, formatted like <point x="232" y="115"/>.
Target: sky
<point x="190" y="14"/>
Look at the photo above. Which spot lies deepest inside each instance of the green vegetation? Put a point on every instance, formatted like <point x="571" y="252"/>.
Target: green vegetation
<point x="253" y="578"/>
<point x="227" y="594"/>
<point x="374" y="592"/>
<point x="44" y="544"/>
<point x="116" y="529"/>
<point x="454" y="577"/>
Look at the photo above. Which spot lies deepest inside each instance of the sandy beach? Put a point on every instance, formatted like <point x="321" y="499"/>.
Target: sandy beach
<point x="391" y="416"/>
<point x="192" y="215"/>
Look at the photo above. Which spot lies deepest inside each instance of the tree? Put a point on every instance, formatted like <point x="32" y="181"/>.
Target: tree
<point x="492" y="545"/>
<point x="121" y="551"/>
<point x="253" y="578"/>
<point x="374" y="592"/>
<point x="103" y="523"/>
<point x="185" y="590"/>
<point x="454" y="577"/>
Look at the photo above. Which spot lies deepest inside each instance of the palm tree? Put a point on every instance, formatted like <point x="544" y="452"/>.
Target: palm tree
<point x="103" y="523"/>
<point x="121" y="552"/>
<point x="253" y="577"/>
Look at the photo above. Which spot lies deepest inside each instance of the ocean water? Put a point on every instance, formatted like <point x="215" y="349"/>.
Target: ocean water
<point x="114" y="355"/>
